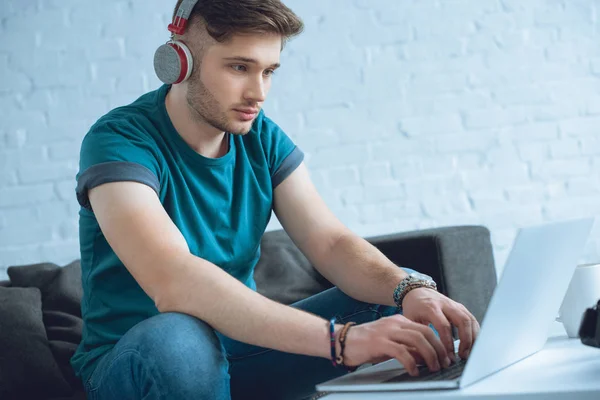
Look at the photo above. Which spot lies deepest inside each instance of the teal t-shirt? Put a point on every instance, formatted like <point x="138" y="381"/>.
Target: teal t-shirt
<point x="221" y="206"/>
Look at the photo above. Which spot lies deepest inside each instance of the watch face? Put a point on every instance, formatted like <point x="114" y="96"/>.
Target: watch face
<point x="421" y="276"/>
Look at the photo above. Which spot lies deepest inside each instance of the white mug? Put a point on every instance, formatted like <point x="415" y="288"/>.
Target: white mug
<point x="583" y="292"/>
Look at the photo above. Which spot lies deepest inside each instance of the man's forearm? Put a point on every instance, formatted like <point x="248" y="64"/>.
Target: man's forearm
<point x="199" y="288"/>
<point x="361" y="271"/>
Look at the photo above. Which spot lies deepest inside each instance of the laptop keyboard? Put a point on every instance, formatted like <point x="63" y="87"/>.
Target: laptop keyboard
<point x="452" y="372"/>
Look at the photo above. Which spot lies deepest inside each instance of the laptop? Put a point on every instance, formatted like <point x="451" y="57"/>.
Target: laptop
<point x="523" y="306"/>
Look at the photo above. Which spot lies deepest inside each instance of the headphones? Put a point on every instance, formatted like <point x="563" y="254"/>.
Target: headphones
<point x="173" y="61"/>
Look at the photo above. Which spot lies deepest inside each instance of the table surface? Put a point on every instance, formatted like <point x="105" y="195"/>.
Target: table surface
<point x="563" y="369"/>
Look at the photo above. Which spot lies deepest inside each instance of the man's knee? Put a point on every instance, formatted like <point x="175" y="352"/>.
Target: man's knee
<point x="182" y="353"/>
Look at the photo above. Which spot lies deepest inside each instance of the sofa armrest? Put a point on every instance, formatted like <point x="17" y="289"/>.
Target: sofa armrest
<point x="459" y="258"/>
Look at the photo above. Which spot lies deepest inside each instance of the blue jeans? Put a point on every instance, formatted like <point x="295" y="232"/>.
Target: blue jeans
<point x="177" y="356"/>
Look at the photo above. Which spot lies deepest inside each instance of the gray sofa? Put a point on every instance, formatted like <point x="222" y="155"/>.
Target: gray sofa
<point x="40" y="318"/>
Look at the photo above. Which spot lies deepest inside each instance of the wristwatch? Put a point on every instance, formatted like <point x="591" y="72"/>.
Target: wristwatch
<point x="414" y="280"/>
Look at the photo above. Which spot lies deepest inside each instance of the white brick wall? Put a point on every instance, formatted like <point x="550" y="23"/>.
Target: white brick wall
<point x="412" y="114"/>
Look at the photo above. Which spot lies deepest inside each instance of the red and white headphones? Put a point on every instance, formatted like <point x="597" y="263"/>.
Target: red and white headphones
<point x="173" y="61"/>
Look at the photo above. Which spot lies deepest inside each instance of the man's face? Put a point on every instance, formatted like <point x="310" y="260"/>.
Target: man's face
<point x="229" y="86"/>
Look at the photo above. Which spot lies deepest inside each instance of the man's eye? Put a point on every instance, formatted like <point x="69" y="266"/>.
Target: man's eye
<point x="269" y="72"/>
<point x="239" y="68"/>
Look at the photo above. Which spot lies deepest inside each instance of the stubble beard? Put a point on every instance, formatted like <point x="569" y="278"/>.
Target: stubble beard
<point x="207" y="109"/>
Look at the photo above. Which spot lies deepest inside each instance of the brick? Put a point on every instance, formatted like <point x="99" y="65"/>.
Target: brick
<point x="395" y="149"/>
<point x="580" y="127"/>
<point x="14" y="81"/>
<point x="15" y="139"/>
<point x="494" y="118"/>
<point x="440" y="103"/>
<point x="66" y="189"/>
<point x="438" y="164"/>
<point x="478" y="9"/>
<point x="17" y="158"/>
<point x="572" y="207"/>
<point x="26" y="195"/>
<point x="335" y="86"/>
<point x="451" y="82"/>
<point x="69" y="230"/>
<point x="532" y="193"/>
<point x="520" y="95"/>
<point x="64" y="151"/>
<point x="487" y="200"/>
<point x="381" y="79"/>
<point x="375" y="34"/>
<point x="432" y="125"/>
<point x="481" y="43"/>
<point x="565" y="148"/>
<point x="590" y="146"/>
<point x="46" y="172"/>
<point x="407" y="167"/>
<point x="371" y="214"/>
<point x="433" y="186"/>
<point x="441" y="48"/>
<point x="375" y="174"/>
<point x="342" y="177"/>
<point x="503" y="154"/>
<point x="405" y="209"/>
<point x="384" y="192"/>
<point x="514" y="217"/>
<point x="438" y="26"/>
<point x="31" y="123"/>
<point x="472" y="141"/>
<point x="349" y="154"/>
<point x="353" y="195"/>
<point x="531" y="132"/>
<point x="468" y="161"/>
<point x="20" y="216"/>
<point x="447" y="206"/>
<point x="553" y="169"/>
<point x="55" y="212"/>
<point x="583" y="186"/>
<point x="19" y="235"/>
<point x="509" y="175"/>
<point x="8" y="178"/>
<point x="49" y="69"/>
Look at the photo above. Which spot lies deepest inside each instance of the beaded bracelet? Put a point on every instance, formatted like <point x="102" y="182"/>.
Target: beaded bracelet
<point x="332" y="340"/>
<point x="343" y="334"/>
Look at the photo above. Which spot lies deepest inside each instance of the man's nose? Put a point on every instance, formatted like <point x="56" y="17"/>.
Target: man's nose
<point x="256" y="90"/>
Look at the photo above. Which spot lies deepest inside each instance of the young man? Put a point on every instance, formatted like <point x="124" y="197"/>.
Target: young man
<point x="177" y="189"/>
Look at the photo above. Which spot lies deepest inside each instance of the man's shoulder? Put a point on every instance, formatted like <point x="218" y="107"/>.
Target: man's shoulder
<point x="134" y="120"/>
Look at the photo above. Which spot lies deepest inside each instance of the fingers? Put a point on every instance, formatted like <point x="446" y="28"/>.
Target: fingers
<point x="444" y="328"/>
<point x="437" y="344"/>
<point x="401" y="353"/>
<point x="419" y="341"/>
<point x="464" y="322"/>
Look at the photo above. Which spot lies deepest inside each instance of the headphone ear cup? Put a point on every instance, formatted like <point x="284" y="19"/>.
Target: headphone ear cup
<point x="173" y="62"/>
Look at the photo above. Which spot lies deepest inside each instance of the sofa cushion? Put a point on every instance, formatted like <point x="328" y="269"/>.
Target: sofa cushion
<point x="283" y="273"/>
<point x="61" y="297"/>
<point x="27" y="366"/>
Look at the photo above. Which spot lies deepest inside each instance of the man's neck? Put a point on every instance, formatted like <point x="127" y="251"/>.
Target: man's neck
<point x="203" y="138"/>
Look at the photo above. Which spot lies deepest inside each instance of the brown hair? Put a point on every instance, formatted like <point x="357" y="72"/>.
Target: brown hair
<point x="224" y="18"/>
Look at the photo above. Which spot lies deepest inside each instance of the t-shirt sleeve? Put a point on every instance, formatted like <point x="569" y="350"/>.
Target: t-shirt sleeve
<point x="282" y="154"/>
<point x="110" y="153"/>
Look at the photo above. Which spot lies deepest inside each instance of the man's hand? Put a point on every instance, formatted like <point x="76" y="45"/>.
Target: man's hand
<point x="395" y="337"/>
<point x="426" y="306"/>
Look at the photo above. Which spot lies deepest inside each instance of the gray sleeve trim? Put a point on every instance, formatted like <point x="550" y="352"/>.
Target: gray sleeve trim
<point x="113" y="171"/>
<point x="289" y="165"/>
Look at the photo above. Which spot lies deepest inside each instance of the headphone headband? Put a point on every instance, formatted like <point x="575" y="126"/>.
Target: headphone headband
<point x="182" y="16"/>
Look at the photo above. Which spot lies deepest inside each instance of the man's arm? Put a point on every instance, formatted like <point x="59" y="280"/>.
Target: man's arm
<point x="357" y="267"/>
<point x="348" y="261"/>
<point x="151" y="247"/>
